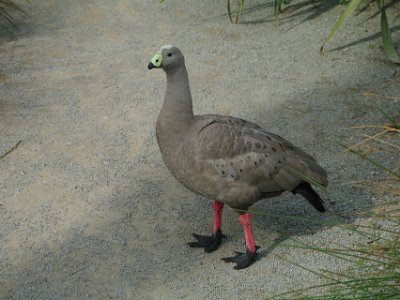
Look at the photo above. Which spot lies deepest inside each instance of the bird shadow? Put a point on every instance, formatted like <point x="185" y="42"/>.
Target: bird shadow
<point x="288" y="218"/>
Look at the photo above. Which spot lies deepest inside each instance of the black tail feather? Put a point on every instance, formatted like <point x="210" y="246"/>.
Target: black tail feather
<point x="307" y="192"/>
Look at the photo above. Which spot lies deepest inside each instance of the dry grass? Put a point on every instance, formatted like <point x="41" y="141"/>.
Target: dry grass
<point x="381" y="140"/>
<point x="374" y="262"/>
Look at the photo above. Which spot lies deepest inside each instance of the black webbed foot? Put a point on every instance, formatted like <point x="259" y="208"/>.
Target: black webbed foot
<point x="242" y="260"/>
<point x="209" y="243"/>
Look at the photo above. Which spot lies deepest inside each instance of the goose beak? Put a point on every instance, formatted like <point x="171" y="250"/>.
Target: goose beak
<point x="155" y="62"/>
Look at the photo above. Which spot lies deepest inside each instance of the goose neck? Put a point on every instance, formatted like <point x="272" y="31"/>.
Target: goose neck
<point x="178" y="99"/>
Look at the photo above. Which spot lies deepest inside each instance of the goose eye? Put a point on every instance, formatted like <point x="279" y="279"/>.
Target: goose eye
<point x="169" y="54"/>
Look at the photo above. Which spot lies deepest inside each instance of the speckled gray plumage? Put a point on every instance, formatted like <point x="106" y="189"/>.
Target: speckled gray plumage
<point x="222" y="157"/>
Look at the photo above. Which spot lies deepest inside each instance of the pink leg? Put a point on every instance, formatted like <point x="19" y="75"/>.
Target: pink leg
<point x="218" y="207"/>
<point x="243" y="260"/>
<point x="211" y="243"/>
<point x="248" y="232"/>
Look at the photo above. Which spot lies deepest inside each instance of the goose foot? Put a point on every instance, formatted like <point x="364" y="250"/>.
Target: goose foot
<point x="209" y="243"/>
<point x="242" y="260"/>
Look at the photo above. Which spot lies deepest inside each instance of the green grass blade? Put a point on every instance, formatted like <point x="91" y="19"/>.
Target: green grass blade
<point x="240" y="10"/>
<point x="10" y="150"/>
<point x="278" y="7"/>
<point x="371" y="161"/>
<point x="353" y="4"/>
<point x="228" y="7"/>
<point x="303" y="267"/>
<point x="388" y="45"/>
<point x="391" y="119"/>
<point x="277" y="10"/>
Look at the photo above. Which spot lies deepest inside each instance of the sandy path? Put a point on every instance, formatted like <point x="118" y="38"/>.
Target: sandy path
<point x="87" y="208"/>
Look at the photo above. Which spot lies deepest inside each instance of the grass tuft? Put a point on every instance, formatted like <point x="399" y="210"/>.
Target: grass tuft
<point x="238" y="13"/>
<point x="8" y="9"/>
<point x="373" y="259"/>
<point x="374" y="271"/>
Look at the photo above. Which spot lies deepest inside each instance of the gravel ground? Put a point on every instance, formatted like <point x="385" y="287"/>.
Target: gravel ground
<point x="87" y="208"/>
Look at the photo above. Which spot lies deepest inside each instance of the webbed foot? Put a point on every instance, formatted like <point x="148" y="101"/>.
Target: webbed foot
<point x="242" y="260"/>
<point x="209" y="243"/>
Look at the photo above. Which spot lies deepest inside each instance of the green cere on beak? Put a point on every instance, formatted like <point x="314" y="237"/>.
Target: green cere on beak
<point x="156" y="61"/>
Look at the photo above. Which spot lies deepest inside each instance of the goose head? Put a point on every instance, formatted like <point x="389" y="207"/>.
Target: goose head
<point x="167" y="58"/>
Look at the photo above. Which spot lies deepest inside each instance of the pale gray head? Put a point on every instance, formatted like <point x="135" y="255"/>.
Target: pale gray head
<point x="168" y="58"/>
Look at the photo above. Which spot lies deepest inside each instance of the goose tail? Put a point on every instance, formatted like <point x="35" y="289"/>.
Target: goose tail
<point x="311" y="195"/>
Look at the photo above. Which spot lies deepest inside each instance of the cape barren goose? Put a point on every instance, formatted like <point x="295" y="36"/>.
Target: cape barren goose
<point x="230" y="160"/>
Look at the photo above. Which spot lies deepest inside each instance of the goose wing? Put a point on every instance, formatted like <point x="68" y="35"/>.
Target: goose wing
<point x="239" y="150"/>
